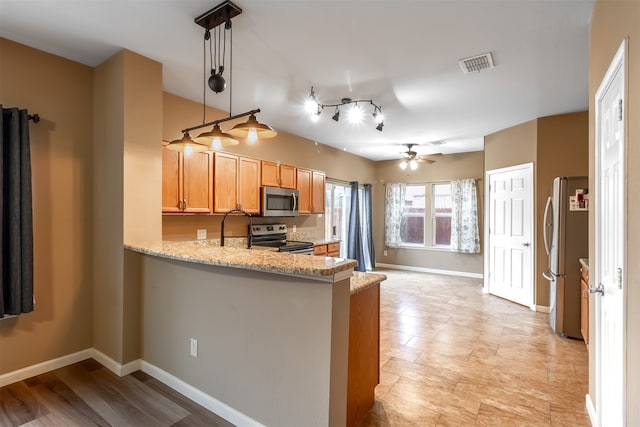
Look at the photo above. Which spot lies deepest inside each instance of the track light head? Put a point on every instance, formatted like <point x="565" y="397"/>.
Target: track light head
<point x="336" y="116"/>
<point x="379" y="127"/>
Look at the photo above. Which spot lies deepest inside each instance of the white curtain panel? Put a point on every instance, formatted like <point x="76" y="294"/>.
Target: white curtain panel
<point x="465" y="236"/>
<point x="393" y="204"/>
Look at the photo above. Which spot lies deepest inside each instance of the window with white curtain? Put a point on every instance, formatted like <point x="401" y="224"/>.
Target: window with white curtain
<point x="438" y="215"/>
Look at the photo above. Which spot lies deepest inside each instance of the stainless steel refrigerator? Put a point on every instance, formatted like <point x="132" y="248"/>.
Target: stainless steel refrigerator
<point x="566" y="239"/>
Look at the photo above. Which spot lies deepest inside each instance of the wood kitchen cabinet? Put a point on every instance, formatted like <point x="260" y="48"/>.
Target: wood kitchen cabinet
<point x="304" y="190"/>
<point x="310" y="191"/>
<point x="317" y="192"/>
<point x="278" y="175"/>
<point x="186" y="182"/>
<point x="236" y="183"/>
<point x="584" y="304"/>
<point x="329" y="249"/>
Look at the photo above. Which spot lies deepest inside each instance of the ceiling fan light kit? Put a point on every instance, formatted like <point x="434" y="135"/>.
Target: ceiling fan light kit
<point x="411" y="158"/>
<point x="355" y="114"/>
<point x="213" y="21"/>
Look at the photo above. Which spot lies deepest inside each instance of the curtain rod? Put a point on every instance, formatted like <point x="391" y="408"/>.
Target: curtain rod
<point x="35" y="118"/>
<point x="432" y="182"/>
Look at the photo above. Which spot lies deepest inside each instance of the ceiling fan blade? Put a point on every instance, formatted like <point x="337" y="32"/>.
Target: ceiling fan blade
<point x="425" y="160"/>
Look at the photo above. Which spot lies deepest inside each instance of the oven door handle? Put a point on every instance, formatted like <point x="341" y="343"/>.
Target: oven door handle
<point x="295" y="202"/>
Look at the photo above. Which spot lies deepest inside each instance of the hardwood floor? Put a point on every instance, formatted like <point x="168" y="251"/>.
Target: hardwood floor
<point x="88" y="394"/>
<point x="450" y="355"/>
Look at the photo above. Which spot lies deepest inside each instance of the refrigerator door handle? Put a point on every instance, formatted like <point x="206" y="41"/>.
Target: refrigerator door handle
<point x="547" y="274"/>
<point x="547" y="226"/>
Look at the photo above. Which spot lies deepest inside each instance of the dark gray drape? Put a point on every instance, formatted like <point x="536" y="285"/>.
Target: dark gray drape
<point x="354" y="238"/>
<point x="16" y="232"/>
<point x="367" y="226"/>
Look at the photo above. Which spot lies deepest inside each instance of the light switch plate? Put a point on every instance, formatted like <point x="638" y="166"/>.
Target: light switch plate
<point x="202" y="234"/>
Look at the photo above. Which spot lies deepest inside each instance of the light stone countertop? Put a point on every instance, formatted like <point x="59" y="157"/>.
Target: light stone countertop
<point x="209" y="252"/>
<point x="361" y="281"/>
<point x="585" y="263"/>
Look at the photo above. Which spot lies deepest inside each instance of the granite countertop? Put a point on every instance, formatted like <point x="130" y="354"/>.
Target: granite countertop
<point x="210" y="252"/>
<point x="361" y="281"/>
<point x="318" y="242"/>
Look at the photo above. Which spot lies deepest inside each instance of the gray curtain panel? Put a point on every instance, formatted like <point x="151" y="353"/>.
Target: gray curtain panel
<point x="16" y="232"/>
<point x="367" y="227"/>
<point x="354" y="238"/>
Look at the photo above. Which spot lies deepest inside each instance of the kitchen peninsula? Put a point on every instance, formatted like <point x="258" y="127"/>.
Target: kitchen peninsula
<point x="272" y="329"/>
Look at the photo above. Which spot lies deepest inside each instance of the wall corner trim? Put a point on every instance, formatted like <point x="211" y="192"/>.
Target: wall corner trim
<point x="591" y="410"/>
<point x="115" y="367"/>
<point x="541" y="309"/>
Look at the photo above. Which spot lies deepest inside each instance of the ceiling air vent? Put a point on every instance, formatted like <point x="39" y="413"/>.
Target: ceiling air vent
<point x="477" y="63"/>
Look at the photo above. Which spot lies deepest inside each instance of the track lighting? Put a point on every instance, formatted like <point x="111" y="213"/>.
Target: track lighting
<point x="355" y="114"/>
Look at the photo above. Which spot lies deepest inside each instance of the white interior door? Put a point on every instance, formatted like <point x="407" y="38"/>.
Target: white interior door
<point x="610" y="246"/>
<point x="509" y="265"/>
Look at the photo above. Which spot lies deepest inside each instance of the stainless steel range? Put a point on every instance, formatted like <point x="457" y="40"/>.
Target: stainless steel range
<point x="275" y="235"/>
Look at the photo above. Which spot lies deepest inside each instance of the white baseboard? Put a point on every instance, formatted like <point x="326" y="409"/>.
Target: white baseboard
<point x="591" y="410"/>
<point x="430" y="270"/>
<point x="542" y="309"/>
<point x="41" y="368"/>
<point x="211" y="403"/>
<point x="115" y="367"/>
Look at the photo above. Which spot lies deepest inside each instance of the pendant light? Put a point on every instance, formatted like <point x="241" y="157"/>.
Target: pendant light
<point x="213" y="21"/>
<point x="253" y="130"/>
<point x="216" y="139"/>
<point x="186" y="145"/>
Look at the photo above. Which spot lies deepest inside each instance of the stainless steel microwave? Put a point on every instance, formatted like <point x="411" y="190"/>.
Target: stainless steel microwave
<point x="278" y="201"/>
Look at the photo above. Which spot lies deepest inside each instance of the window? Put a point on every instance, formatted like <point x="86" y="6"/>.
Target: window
<point x="412" y="226"/>
<point x="441" y="214"/>
<point x="420" y="200"/>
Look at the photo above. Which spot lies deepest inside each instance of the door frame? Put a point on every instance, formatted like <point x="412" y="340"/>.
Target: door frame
<point x="619" y="63"/>
<point x="487" y="215"/>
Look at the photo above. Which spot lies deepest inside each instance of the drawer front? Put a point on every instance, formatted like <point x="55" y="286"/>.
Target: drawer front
<point x="320" y="250"/>
<point x="333" y="247"/>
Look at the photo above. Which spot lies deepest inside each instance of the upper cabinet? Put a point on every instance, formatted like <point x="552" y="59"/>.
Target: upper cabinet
<point x="317" y="192"/>
<point x="311" y="191"/>
<point x="278" y="175"/>
<point x="304" y="191"/>
<point x="186" y="182"/>
<point x="236" y="183"/>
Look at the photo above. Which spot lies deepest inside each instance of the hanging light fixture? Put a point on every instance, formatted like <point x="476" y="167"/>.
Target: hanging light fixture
<point x="216" y="138"/>
<point x="314" y="108"/>
<point x="186" y="145"/>
<point x="253" y="130"/>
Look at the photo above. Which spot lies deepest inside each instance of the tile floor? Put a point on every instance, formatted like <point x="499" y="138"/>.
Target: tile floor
<point x="451" y="355"/>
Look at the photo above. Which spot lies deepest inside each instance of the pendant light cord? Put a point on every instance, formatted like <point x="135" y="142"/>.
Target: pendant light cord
<point x="230" y="67"/>
<point x="204" y="75"/>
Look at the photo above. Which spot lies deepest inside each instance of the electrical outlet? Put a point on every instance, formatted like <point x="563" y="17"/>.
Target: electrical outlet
<point x="384" y="252"/>
<point x="193" y="350"/>
<point x="294" y="228"/>
<point x="202" y="234"/>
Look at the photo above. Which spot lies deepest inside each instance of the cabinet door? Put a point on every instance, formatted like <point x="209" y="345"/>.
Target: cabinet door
<point x="304" y="190"/>
<point x="171" y="181"/>
<point x="225" y="182"/>
<point x="269" y="174"/>
<point x="288" y="176"/>
<point x="196" y="181"/>
<point x="317" y="192"/>
<point x="249" y="185"/>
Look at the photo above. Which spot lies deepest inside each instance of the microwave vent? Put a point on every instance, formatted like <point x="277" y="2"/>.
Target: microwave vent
<point x="475" y="64"/>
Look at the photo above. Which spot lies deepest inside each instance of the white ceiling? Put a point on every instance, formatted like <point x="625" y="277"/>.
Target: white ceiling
<point x="402" y="54"/>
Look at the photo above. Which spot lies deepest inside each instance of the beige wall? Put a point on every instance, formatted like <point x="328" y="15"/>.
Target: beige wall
<point x="516" y="145"/>
<point x="612" y="21"/>
<point x="273" y="347"/>
<point x="61" y="155"/>
<point x="180" y="113"/>
<point x="127" y="198"/>
<point x="557" y="146"/>
<point x="562" y="150"/>
<point x="451" y="166"/>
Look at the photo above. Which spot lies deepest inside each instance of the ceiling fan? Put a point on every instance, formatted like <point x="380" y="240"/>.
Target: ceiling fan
<point x="411" y="158"/>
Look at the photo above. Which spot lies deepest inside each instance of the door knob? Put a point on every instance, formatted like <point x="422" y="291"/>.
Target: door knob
<point x="598" y="290"/>
<point x="526" y="244"/>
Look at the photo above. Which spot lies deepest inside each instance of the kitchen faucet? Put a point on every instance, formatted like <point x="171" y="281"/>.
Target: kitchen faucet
<point x="249" y="237"/>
